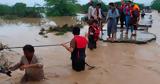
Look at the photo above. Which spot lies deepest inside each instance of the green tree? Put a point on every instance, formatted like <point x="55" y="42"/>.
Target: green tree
<point x="5" y="10"/>
<point x="62" y="7"/>
<point x="20" y="9"/>
<point x="31" y="12"/>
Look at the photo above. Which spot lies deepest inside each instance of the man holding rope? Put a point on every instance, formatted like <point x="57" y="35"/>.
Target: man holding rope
<point x="32" y="65"/>
<point x="77" y="48"/>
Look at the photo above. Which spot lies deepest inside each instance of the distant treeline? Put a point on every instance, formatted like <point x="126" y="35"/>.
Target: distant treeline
<point x="18" y="10"/>
<point x="52" y="8"/>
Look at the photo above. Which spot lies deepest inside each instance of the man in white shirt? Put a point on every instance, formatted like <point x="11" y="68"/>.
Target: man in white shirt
<point x="90" y="10"/>
<point x="97" y="13"/>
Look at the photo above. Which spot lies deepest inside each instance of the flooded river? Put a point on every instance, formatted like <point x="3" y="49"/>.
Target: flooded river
<point x="115" y="63"/>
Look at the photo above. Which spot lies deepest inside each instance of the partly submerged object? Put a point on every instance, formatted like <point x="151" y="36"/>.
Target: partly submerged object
<point x="46" y="24"/>
<point x="6" y="71"/>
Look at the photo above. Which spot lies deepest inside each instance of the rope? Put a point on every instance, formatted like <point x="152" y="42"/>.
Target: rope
<point x="35" y="46"/>
<point x="90" y="67"/>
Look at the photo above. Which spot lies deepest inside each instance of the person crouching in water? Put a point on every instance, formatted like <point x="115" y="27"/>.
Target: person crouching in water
<point x="77" y="48"/>
<point x="112" y="22"/>
<point x="93" y="34"/>
<point x="31" y="64"/>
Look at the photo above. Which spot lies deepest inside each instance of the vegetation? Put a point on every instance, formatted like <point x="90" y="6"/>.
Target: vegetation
<point x="18" y="10"/>
<point x="156" y="5"/>
<point x="62" y="7"/>
<point x="4" y="9"/>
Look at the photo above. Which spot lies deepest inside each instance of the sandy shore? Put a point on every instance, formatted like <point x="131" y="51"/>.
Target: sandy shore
<point x="115" y="63"/>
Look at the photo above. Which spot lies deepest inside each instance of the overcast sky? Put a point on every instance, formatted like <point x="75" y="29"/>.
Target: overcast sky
<point x="32" y="2"/>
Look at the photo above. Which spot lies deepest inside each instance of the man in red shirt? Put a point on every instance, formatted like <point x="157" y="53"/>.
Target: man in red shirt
<point x="77" y="48"/>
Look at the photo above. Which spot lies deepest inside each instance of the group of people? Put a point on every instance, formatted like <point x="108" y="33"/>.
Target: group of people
<point x="127" y="14"/>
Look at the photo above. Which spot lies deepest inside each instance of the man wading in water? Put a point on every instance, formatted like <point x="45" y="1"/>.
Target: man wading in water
<point x="77" y="48"/>
<point x="31" y="64"/>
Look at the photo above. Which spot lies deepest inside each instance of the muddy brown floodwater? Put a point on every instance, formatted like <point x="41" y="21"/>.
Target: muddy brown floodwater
<point x="115" y="63"/>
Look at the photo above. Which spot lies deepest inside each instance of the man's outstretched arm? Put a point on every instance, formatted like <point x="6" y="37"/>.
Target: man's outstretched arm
<point x="15" y="67"/>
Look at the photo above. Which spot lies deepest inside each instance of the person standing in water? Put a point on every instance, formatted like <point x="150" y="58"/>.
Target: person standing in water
<point x="127" y="11"/>
<point x="97" y="13"/>
<point x="135" y="18"/>
<point x="122" y="15"/>
<point x="77" y="48"/>
<point x="32" y="65"/>
<point x="112" y="22"/>
<point x="93" y="34"/>
<point x="118" y="8"/>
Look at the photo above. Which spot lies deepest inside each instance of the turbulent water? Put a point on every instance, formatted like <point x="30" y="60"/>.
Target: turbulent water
<point x="115" y="63"/>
